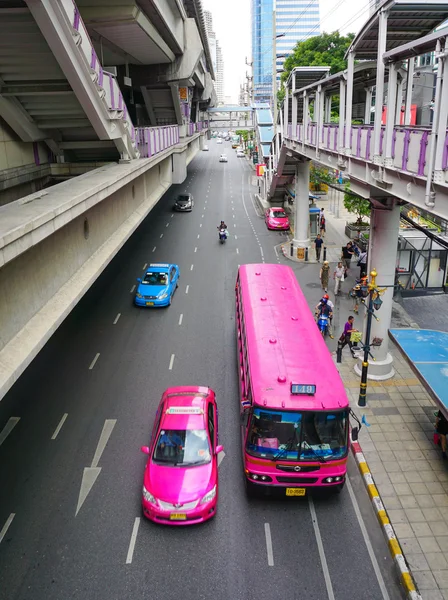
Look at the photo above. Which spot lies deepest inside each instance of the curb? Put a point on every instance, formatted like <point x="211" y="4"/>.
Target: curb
<point x="381" y="513"/>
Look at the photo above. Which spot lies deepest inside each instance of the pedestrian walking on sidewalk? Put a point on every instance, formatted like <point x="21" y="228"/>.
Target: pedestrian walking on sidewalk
<point x="347" y="253"/>
<point x="318" y="242"/>
<point x="442" y="430"/>
<point x="322" y="226"/>
<point x="338" y="277"/>
<point x="325" y="275"/>
<point x="346" y="335"/>
<point x="362" y="263"/>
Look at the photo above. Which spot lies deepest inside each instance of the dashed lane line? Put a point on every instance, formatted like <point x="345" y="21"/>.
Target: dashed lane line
<point x="132" y="290"/>
<point x="181" y="318"/>
<point x="132" y="541"/>
<point x="320" y="547"/>
<point x="116" y="318"/>
<point x="267" y="533"/>
<point x="12" y="422"/>
<point x="171" y="362"/>
<point x="154" y="249"/>
<point x="92" y="364"/>
<point x="6" y="526"/>
<point x="186" y="289"/>
<point x="144" y="266"/>
<point x="59" y="427"/>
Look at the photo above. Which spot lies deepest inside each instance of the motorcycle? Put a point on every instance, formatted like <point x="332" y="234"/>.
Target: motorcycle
<point x="322" y="324"/>
<point x="222" y="235"/>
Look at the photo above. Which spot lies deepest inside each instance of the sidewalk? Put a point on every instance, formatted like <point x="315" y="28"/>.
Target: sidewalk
<point x="405" y="475"/>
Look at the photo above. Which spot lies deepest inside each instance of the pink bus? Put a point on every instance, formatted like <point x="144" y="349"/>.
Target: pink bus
<point x="294" y="409"/>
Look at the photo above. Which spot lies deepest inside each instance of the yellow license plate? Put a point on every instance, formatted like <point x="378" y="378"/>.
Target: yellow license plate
<point x="295" y="491"/>
<point x="150" y="304"/>
<point x="178" y="516"/>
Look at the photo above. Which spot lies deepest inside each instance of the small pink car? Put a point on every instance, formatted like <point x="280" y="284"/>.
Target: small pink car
<point x="180" y="485"/>
<point x="276" y="218"/>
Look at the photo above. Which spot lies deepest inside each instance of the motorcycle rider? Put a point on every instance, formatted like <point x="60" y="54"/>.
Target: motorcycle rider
<point x="325" y="308"/>
<point x="222" y="228"/>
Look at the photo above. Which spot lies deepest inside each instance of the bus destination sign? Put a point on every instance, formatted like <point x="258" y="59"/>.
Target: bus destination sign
<point x="298" y="389"/>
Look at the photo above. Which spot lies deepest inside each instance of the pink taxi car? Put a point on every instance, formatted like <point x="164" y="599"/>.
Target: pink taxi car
<point x="276" y="218"/>
<point x="180" y="485"/>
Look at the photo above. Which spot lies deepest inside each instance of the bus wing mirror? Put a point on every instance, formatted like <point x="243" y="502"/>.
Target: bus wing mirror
<point x="355" y="433"/>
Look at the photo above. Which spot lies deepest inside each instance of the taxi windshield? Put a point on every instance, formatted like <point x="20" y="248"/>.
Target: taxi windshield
<point x="182" y="447"/>
<point x="290" y="435"/>
<point x="155" y="278"/>
<point x="279" y="214"/>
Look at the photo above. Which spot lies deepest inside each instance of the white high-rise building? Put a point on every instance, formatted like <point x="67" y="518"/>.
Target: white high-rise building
<point x="216" y="55"/>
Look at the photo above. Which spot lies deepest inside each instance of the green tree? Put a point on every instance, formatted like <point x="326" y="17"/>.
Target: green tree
<point x="327" y="49"/>
<point x="357" y="205"/>
<point x="320" y="175"/>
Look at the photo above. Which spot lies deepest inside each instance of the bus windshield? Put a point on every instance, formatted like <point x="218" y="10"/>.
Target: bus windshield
<point x="290" y="435"/>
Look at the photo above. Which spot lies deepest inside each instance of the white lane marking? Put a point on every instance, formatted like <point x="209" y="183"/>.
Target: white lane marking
<point x="116" y="318"/>
<point x="167" y="224"/>
<point x="267" y="533"/>
<point x="191" y="268"/>
<point x="161" y="235"/>
<point x="154" y="249"/>
<point x="171" y="362"/>
<point x="89" y="476"/>
<point x="199" y="235"/>
<point x="202" y="216"/>
<point x="92" y="364"/>
<point x="180" y="318"/>
<point x="236" y="237"/>
<point x="12" y="422"/>
<point x="172" y="216"/>
<point x="133" y="540"/>
<point x="237" y="251"/>
<point x="320" y="547"/>
<point x="6" y="526"/>
<point x="367" y="541"/>
<point x="233" y="215"/>
<point x="131" y="291"/>
<point x="195" y="249"/>
<point x="59" y="427"/>
<point x="200" y="224"/>
<point x="186" y="289"/>
<point x="234" y="224"/>
<point x="144" y="266"/>
<point x="108" y="426"/>
<point x="221" y="457"/>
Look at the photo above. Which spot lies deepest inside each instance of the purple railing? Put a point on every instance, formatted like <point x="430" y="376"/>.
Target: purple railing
<point x="409" y="144"/>
<point x="152" y="140"/>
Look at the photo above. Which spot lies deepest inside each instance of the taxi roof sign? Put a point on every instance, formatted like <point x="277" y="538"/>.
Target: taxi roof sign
<point x="159" y="265"/>
<point x="184" y="410"/>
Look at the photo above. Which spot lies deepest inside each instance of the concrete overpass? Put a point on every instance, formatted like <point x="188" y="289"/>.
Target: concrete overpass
<point x="110" y="100"/>
<point x="390" y="162"/>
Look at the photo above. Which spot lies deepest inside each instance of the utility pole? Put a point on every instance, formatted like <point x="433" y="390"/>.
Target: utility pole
<point x="274" y="67"/>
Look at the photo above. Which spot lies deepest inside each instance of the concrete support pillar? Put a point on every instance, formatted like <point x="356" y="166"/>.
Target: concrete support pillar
<point x="408" y="96"/>
<point x="443" y="122"/>
<point x="201" y="142"/>
<point x="379" y="88"/>
<point x="342" y="86"/>
<point x="399" y="101"/>
<point x="179" y="166"/>
<point x="383" y="243"/>
<point x="391" y="112"/>
<point x="294" y="113"/>
<point x="301" y="207"/>
<point x="286" y="112"/>
<point x="349" y="103"/>
<point x="327" y="116"/>
<point x="368" y="108"/>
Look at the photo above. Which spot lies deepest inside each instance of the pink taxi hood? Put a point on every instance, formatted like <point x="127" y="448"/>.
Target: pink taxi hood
<point x="179" y="484"/>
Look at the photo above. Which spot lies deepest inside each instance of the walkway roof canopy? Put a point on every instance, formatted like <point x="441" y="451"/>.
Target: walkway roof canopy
<point x="304" y="76"/>
<point x="407" y="21"/>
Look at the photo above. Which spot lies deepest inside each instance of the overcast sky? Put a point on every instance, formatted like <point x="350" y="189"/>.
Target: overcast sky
<point x="231" y="22"/>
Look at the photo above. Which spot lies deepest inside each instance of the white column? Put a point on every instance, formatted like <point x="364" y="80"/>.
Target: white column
<point x="286" y="112"/>
<point x="301" y="207"/>
<point x="408" y="97"/>
<point x="399" y="101"/>
<point x="327" y="117"/>
<point x="341" y="115"/>
<point x="349" y="103"/>
<point x="294" y="114"/>
<point x="443" y="122"/>
<point x="383" y="243"/>
<point x="390" y="118"/>
<point x="368" y="108"/>
<point x="379" y="88"/>
<point x="305" y="118"/>
<point x="317" y="116"/>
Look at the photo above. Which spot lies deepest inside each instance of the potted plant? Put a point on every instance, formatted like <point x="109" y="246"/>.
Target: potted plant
<point x="361" y="208"/>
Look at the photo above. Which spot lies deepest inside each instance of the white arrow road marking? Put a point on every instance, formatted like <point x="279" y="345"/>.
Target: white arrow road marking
<point x="108" y="426"/>
<point x="12" y="422"/>
<point x="221" y="456"/>
<point x="91" y="473"/>
<point x="6" y="526"/>
<point x="88" y="479"/>
<point x="133" y="540"/>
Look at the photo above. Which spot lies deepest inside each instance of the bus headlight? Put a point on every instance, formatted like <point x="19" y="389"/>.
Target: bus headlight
<point x="337" y="479"/>
<point x="256" y="477"/>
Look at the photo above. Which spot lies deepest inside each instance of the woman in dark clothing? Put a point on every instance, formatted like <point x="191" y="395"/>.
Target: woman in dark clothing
<point x="442" y="430"/>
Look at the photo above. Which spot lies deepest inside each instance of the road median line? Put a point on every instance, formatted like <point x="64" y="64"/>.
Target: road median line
<point x="404" y="573"/>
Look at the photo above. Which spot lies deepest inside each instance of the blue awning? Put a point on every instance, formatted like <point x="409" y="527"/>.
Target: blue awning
<point x="265" y="134"/>
<point x="264" y="116"/>
<point x="266" y="149"/>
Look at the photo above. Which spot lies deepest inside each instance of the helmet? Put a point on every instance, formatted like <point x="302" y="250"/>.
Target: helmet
<point x="324" y="300"/>
<point x="327" y="297"/>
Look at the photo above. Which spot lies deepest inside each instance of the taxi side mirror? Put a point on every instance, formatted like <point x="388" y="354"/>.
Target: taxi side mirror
<point x="139" y="279"/>
<point x="219" y="449"/>
<point x="355" y="432"/>
<point x="145" y="449"/>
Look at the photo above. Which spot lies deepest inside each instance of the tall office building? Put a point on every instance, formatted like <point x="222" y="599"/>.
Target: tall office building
<point x="216" y="55"/>
<point x="296" y="19"/>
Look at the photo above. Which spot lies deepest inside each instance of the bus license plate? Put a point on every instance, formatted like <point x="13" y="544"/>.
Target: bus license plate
<point x="178" y="516"/>
<point x="295" y="491"/>
<point x="150" y="304"/>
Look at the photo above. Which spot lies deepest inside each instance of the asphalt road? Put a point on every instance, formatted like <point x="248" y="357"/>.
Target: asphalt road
<point x="104" y="372"/>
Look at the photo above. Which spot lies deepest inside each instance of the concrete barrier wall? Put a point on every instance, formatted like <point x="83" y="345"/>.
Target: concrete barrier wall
<point x="40" y="286"/>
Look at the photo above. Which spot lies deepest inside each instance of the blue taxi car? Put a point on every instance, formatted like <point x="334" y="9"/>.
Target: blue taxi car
<point x="158" y="285"/>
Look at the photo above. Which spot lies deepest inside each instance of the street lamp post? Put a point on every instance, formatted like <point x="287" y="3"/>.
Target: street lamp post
<point x="375" y="303"/>
<point x="274" y="69"/>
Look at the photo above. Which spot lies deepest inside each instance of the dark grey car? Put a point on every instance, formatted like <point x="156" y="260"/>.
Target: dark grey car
<point x="184" y="203"/>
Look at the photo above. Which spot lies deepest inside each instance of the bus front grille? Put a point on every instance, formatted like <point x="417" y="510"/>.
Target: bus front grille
<point x="297" y="480"/>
